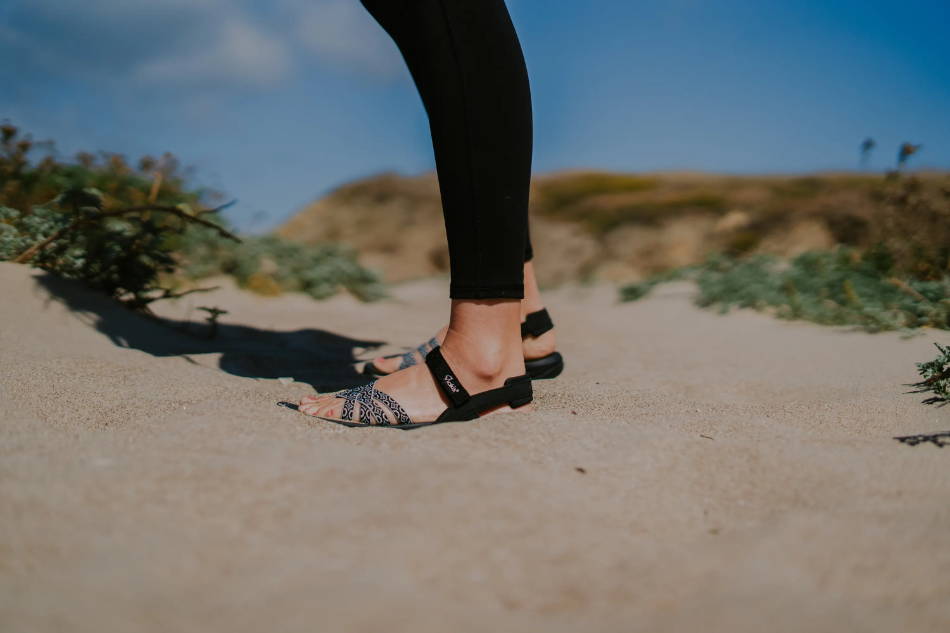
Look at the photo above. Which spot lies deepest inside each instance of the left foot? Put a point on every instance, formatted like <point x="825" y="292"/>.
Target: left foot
<point x="413" y="388"/>
<point x="531" y="347"/>
<point x="418" y="394"/>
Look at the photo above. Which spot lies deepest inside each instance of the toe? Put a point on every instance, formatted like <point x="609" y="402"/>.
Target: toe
<point x="328" y="407"/>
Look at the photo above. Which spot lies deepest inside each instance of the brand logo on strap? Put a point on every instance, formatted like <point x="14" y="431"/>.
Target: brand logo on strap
<point x="450" y="384"/>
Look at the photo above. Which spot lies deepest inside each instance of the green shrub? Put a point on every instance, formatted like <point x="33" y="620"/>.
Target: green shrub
<point x="839" y="287"/>
<point x="127" y="230"/>
<point x="900" y="279"/>
<point x="26" y="181"/>
<point x="97" y="219"/>
<point x="936" y="377"/>
<point x="268" y="263"/>
<point x="121" y="252"/>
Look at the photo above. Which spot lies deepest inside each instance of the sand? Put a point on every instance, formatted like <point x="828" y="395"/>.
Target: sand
<point x="688" y="472"/>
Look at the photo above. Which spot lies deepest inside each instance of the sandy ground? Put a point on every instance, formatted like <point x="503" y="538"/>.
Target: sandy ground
<point x="688" y="472"/>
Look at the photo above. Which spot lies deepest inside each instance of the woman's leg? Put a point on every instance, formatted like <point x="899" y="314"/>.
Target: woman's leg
<point x="467" y="64"/>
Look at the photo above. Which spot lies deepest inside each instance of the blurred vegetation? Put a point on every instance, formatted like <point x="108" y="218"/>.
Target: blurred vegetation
<point x="573" y="188"/>
<point x="913" y="225"/>
<point x="25" y="183"/>
<point x="838" y="287"/>
<point x="900" y="279"/>
<point x="270" y="265"/>
<point x="603" y="201"/>
<point x="622" y="227"/>
<point x="847" y="204"/>
<point x="139" y="232"/>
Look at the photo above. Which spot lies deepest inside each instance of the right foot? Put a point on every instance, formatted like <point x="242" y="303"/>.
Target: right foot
<point x="532" y="348"/>
<point x="410" y="358"/>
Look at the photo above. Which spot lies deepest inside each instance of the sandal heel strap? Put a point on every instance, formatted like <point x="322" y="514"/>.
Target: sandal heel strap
<point x="516" y="392"/>
<point x="519" y="389"/>
<point x="536" y="323"/>
<point x="447" y="380"/>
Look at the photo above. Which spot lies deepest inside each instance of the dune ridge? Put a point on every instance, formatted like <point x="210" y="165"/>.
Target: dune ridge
<point x="622" y="227"/>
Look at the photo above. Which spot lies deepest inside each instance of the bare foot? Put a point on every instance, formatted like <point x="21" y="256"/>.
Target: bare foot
<point x="413" y="388"/>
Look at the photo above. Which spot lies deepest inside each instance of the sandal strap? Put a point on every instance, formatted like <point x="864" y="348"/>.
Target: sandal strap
<point x="398" y="412"/>
<point x="370" y="411"/>
<point x="446" y="379"/>
<point x="428" y="346"/>
<point x="409" y="358"/>
<point x="536" y="323"/>
<point x="515" y="393"/>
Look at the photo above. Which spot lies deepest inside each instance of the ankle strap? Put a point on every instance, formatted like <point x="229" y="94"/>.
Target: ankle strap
<point x="536" y="323"/>
<point x="449" y="383"/>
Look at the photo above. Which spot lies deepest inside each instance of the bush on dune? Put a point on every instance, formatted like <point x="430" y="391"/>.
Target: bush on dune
<point x="270" y="265"/>
<point x="121" y="254"/>
<point x="99" y="220"/>
<point x="839" y="287"/>
<point x="133" y="231"/>
<point x="901" y="282"/>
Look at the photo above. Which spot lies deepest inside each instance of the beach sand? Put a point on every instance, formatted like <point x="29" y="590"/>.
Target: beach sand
<point x="688" y="472"/>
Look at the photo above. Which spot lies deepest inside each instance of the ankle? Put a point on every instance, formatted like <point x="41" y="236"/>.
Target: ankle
<point x="483" y="342"/>
<point x="485" y="360"/>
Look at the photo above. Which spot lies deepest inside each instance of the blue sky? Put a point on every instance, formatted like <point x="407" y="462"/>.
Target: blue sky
<point x="278" y="102"/>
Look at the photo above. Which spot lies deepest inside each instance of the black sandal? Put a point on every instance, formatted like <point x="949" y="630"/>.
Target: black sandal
<point x="373" y="403"/>
<point x="550" y="366"/>
<point x="535" y="324"/>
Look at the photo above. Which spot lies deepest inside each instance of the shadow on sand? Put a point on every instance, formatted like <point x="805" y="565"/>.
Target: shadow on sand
<point x="317" y="357"/>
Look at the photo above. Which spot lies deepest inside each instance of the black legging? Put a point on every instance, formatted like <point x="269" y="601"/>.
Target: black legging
<point x="467" y="64"/>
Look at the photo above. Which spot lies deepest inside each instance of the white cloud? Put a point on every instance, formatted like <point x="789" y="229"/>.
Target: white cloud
<point x="341" y="33"/>
<point x="187" y="48"/>
<point x="153" y="42"/>
<point x="233" y="52"/>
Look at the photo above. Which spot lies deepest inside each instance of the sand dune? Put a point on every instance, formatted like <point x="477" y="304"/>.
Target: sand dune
<point x="688" y="472"/>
